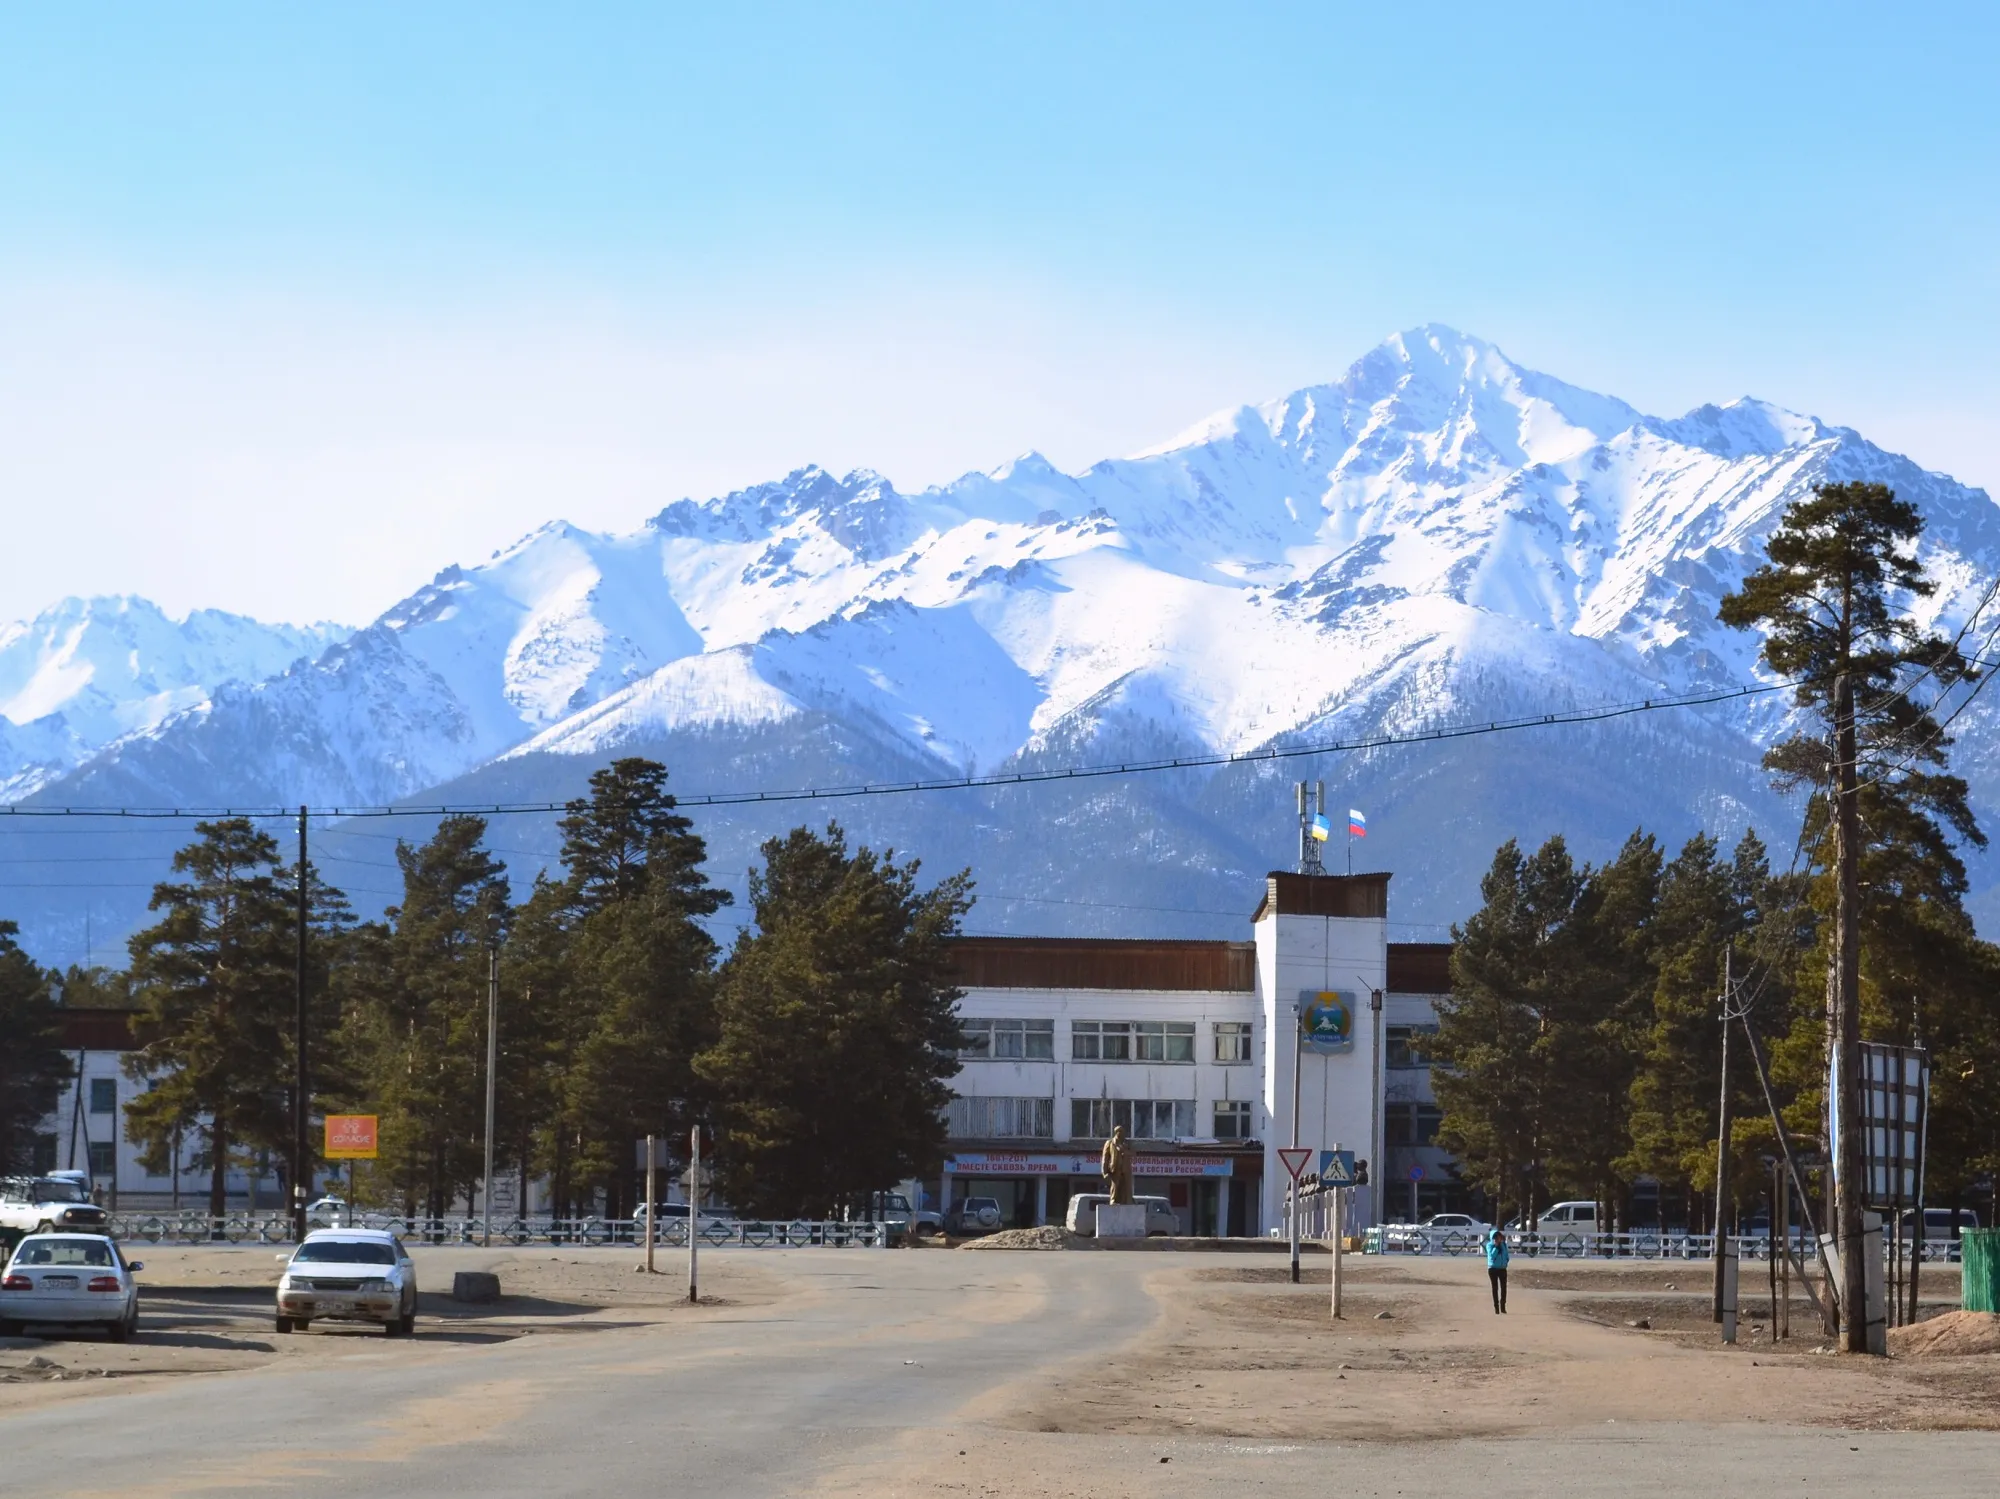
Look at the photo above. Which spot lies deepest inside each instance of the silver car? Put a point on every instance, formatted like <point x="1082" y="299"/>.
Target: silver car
<point x="72" y="1279"/>
<point x="349" y="1275"/>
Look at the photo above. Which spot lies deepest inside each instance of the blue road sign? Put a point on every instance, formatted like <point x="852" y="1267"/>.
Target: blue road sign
<point x="1336" y="1168"/>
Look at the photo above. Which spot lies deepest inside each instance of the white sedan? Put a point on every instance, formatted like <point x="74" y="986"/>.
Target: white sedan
<point x="349" y="1275"/>
<point x="70" y="1278"/>
<point x="1441" y="1233"/>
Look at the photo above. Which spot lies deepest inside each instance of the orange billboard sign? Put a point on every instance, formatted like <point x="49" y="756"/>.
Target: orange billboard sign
<point x="350" y="1137"/>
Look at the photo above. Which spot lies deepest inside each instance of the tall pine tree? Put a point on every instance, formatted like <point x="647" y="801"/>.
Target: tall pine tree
<point x="215" y="983"/>
<point x="838" y="1027"/>
<point x="422" y="1021"/>
<point x="1834" y="605"/>
<point x="619" y="950"/>
<point x="33" y="1067"/>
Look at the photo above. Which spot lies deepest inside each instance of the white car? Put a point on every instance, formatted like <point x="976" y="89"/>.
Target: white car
<point x="1441" y="1233"/>
<point x="44" y="1204"/>
<point x="349" y="1275"/>
<point x="70" y="1279"/>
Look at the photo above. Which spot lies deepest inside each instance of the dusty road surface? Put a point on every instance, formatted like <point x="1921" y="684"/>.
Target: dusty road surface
<point x="938" y="1372"/>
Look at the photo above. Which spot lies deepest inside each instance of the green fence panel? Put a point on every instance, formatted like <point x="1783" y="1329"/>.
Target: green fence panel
<point x="1980" y="1267"/>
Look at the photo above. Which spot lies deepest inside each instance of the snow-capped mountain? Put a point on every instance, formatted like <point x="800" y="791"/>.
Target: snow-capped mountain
<point x="1438" y="536"/>
<point x="85" y="672"/>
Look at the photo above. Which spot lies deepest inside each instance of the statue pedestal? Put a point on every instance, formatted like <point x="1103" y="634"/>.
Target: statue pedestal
<point x="1125" y="1220"/>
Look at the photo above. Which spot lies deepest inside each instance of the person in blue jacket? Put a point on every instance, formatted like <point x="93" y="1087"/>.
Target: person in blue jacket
<point x="1496" y="1268"/>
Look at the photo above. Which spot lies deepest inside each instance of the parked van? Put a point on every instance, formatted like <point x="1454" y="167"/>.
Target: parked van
<point x="1161" y="1220"/>
<point x="1569" y="1218"/>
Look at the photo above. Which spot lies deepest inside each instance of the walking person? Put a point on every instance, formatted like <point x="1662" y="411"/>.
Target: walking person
<point x="1496" y="1268"/>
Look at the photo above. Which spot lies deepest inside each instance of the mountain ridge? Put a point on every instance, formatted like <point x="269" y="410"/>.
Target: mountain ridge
<point x="1437" y="535"/>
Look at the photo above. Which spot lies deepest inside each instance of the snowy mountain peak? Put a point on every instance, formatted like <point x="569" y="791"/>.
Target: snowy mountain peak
<point x="1745" y="426"/>
<point x="86" y="670"/>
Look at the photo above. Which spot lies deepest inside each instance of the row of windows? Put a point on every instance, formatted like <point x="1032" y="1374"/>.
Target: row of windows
<point x="1092" y="1118"/>
<point x="1411" y="1123"/>
<point x="1101" y="1040"/>
<point x="1402" y="1045"/>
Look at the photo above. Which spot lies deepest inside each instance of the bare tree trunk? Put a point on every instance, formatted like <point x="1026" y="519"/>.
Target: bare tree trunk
<point x="1843" y="1023"/>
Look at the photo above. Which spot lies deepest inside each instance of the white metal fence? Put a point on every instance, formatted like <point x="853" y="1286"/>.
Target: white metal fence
<point x="1641" y="1244"/>
<point x="718" y="1233"/>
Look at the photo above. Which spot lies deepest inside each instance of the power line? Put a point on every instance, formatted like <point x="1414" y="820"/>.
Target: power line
<point x="1269" y="755"/>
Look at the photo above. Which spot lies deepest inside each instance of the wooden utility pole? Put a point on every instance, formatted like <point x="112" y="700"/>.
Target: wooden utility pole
<point x="492" y="1066"/>
<point x="301" y="1081"/>
<point x="1843" y="1023"/>
<point x="1722" y="1129"/>
<point x="652" y="1204"/>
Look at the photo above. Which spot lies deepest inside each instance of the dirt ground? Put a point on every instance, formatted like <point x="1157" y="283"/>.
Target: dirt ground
<point x="1240" y="1352"/>
<point x="205" y="1310"/>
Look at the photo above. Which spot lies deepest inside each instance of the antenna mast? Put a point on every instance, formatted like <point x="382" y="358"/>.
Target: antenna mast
<point x="1312" y="825"/>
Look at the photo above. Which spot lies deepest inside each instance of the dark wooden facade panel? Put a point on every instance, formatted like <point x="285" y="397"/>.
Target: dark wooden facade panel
<point x="1363" y="895"/>
<point x="1103" y="963"/>
<point x="1420" y="968"/>
<point x="97" y="1030"/>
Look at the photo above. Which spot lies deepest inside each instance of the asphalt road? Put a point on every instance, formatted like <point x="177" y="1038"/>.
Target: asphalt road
<point x="747" y="1403"/>
<point x="870" y="1376"/>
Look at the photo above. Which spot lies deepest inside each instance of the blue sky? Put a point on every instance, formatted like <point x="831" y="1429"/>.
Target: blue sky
<point x="387" y="286"/>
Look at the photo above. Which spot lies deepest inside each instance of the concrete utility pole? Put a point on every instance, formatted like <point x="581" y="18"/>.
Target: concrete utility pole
<point x="1843" y="1023"/>
<point x="1723" y="1124"/>
<point x="694" y="1212"/>
<point x="301" y="1083"/>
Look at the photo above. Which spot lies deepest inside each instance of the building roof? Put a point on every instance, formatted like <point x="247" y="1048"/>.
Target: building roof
<point x="1363" y="895"/>
<point x="1103" y="963"/>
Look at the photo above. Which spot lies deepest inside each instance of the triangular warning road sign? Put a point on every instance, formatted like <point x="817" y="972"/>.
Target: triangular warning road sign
<point x="1293" y="1158"/>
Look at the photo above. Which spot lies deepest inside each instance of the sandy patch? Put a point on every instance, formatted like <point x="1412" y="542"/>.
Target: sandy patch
<point x="211" y="1310"/>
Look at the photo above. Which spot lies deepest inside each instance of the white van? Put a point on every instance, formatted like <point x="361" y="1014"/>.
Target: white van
<point x="1161" y="1220"/>
<point x="1568" y="1218"/>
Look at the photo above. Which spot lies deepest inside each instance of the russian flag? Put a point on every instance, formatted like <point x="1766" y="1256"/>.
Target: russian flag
<point x="1356" y="823"/>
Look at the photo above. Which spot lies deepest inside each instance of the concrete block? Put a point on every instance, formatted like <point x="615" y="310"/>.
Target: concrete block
<point x="475" y="1286"/>
<point x="1121" y="1221"/>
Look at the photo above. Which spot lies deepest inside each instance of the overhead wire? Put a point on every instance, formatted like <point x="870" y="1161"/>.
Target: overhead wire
<point x="1266" y="755"/>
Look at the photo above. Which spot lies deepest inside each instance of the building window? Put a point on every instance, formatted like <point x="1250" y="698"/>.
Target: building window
<point x="1232" y="1121"/>
<point x="1001" y="1118"/>
<point x="103" y="1158"/>
<point x="1411" y="1123"/>
<point x="1008" y="1040"/>
<point x="1405" y="1045"/>
<point x="1132" y="1040"/>
<point x="104" y="1095"/>
<point x="1143" y="1118"/>
<point x="1232" y="1041"/>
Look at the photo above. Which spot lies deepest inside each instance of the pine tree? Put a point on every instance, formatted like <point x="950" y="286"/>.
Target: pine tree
<point x="1840" y="566"/>
<point x="33" y="1067"/>
<point x="1705" y="906"/>
<point x="838" y="1027"/>
<point x="422" y="1020"/>
<point x="1597" y="1021"/>
<point x="618" y="949"/>
<point x="215" y="982"/>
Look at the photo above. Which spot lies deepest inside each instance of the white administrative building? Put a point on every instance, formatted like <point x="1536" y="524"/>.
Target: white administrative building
<point x="1197" y="1049"/>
